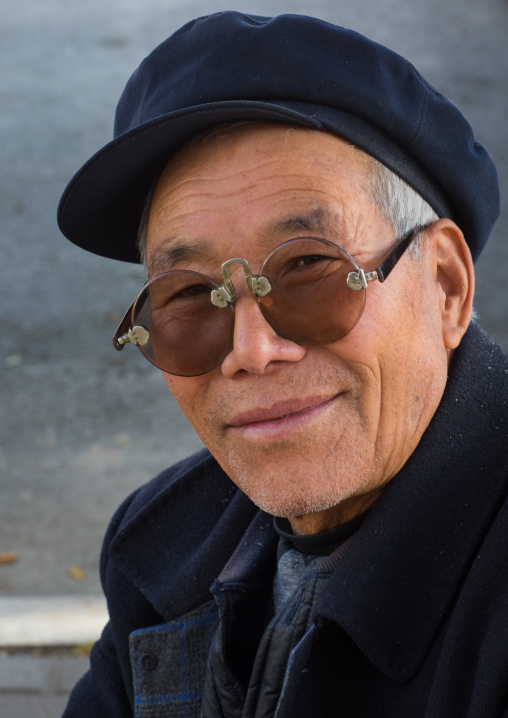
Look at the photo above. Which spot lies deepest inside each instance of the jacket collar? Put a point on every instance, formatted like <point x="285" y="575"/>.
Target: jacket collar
<point x="403" y="569"/>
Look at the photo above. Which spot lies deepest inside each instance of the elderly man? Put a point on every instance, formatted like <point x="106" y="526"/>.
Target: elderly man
<point x="312" y="210"/>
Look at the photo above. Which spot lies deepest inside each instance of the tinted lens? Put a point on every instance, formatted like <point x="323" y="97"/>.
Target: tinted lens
<point x="189" y="336"/>
<point x="310" y="302"/>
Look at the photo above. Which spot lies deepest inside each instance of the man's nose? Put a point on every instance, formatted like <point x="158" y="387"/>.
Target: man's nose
<point x="255" y="344"/>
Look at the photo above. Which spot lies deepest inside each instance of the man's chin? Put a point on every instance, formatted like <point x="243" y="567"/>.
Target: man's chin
<point x="289" y="486"/>
<point x="297" y="503"/>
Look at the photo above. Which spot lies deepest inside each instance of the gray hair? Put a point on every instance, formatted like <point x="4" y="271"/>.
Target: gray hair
<point x="399" y="203"/>
<point x="143" y="222"/>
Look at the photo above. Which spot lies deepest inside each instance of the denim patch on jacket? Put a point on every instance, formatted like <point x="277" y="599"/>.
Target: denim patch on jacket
<point x="169" y="664"/>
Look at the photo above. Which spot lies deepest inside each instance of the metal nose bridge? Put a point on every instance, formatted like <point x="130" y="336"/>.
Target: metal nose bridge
<point x="225" y="294"/>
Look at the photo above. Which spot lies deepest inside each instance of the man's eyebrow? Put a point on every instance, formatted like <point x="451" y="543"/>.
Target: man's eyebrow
<point x="319" y="220"/>
<point x="164" y="258"/>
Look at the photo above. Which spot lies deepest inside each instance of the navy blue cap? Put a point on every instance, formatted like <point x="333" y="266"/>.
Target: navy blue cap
<point x="293" y="69"/>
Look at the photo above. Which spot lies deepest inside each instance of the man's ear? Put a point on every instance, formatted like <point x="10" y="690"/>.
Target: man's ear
<point x="454" y="272"/>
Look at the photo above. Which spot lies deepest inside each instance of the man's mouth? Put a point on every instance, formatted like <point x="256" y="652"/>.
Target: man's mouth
<point x="281" y="416"/>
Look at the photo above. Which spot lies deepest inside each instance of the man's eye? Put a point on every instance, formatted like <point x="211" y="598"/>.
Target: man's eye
<point x="165" y="296"/>
<point x="308" y="260"/>
<point x="195" y="290"/>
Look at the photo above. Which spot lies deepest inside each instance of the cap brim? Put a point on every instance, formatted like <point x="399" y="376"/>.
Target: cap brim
<point x="101" y="207"/>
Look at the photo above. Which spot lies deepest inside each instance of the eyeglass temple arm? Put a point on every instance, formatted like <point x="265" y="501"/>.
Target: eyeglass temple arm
<point x="391" y="260"/>
<point x="360" y="279"/>
<point x="119" y="340"/>
<point x="125" y="333"/>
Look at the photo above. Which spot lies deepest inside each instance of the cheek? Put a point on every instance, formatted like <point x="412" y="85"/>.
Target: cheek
<point x="202" y="402"/>
<point x="190" y="395"/>
<point x="398" y="350"/>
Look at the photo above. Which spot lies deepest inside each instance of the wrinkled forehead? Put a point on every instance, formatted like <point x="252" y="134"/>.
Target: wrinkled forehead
<point x="245" y="139"/>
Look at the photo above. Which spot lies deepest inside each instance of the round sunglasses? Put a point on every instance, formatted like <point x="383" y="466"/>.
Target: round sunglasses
<point x="309" y="290"/>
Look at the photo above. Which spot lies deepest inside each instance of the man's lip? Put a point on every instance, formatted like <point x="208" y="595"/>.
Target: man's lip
<point x="279" y="410"/>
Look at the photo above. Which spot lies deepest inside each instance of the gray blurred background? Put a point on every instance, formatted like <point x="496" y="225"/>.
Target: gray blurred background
<point x="81" y="426"/>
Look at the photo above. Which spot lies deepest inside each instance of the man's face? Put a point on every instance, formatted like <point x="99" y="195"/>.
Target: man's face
<point x="312" y="433"/>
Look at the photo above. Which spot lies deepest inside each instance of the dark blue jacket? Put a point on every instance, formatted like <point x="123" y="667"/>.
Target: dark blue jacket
<point x="414" y="619"/>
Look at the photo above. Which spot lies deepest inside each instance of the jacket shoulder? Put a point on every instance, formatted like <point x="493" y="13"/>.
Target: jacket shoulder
<point x="149" y="492"/>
